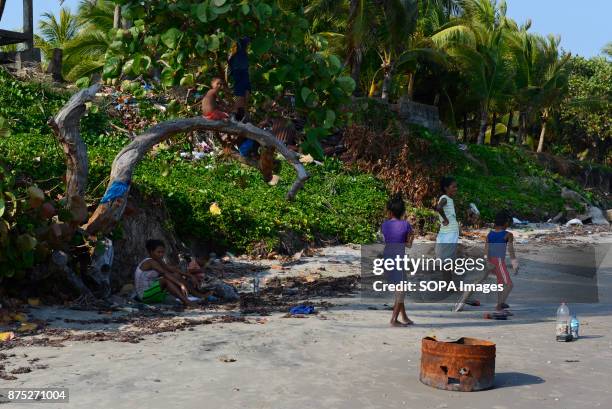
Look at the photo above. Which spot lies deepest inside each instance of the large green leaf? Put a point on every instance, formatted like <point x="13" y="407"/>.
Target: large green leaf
<point x="334" y="64"/>
<point x="167" y="77"/>
<point x="187" y="80"/>
<point x="171" y="37"/>
<point x="347" y="84"/>
<point x="111" y="68"/>
<point x="213" y="42"/>
<point x="202" y="12"/>
<point x="2" y="206"/>
<point x="330" y="118"/>
<point x="305" y="93"/>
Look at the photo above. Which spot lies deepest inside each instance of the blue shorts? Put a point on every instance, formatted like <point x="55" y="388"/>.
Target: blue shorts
<point x="242" y="82"/>
<point x="247" y="147"/>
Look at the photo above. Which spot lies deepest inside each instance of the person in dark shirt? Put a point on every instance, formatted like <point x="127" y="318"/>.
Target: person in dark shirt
<point x="238" y="62"/>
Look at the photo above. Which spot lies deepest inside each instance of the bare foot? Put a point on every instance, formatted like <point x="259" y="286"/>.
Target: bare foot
<point x="407" y="321"/>
<point x="396" y="323"/>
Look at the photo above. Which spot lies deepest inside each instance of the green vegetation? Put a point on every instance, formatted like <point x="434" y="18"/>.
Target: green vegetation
<point x="335" y="204"/>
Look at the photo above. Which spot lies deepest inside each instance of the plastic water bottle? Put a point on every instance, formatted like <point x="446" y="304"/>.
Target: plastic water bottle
<point x="574" y="327"/>
<point x="256" y="284"/>
<point x="563" y="324"/>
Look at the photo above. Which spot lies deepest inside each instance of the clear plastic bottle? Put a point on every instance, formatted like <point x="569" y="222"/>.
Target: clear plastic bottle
<point x="563" y="323"/>
<point x="574" y="327"/>
<point x="256" y="284"/>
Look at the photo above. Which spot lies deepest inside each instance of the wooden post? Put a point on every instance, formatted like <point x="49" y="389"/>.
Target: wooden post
<point x="28" y="23"/>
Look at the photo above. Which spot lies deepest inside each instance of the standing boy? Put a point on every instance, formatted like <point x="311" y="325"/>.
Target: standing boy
<point x="497" y="242"/>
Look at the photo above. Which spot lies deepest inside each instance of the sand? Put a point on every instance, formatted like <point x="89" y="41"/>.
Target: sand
<point x="344" y="357"/>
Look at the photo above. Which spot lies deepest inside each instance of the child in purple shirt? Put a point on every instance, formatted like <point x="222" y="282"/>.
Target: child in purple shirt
<point x="398" y="235"/>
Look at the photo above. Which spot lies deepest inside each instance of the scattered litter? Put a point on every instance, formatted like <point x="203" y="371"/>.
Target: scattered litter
<point x="474" y="209"/>
<point x="574" y="222"/>
<point x="34" y="302"/>
<point x="302" y="310"/>
<point x="307" y="159"/>
<point x="274" y="181"/>
<point x="518" y="222"/>
<point x="6" y="336"/>
<point x="215" y="209"/>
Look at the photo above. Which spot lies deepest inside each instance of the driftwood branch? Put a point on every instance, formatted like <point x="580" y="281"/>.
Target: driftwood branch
<point x="110" y="210"/>
<point x="66" y="127"/>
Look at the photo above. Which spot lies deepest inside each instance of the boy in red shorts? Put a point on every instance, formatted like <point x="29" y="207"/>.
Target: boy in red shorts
<point x="210" y="106"/>
<point x="499" y="240"/>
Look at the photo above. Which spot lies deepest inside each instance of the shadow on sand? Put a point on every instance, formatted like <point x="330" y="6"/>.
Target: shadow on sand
<point x="510" y="379"/>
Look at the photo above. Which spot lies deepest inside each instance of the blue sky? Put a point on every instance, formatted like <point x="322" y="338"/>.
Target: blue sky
<point x="584" y="26"/>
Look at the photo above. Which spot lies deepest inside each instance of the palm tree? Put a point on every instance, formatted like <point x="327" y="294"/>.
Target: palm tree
<point x="349" y="26"/>
<point x="478" y="41"/>
<point x="607" y="50"/>
<point x="84" y="54"/>
<point x="56" y="33"/>
<point x="550" y="83"/>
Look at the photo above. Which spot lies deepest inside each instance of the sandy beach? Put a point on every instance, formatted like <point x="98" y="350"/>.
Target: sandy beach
<point x="345" y="356"/>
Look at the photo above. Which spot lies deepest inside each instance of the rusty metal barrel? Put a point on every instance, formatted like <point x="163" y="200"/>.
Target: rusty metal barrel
<point x="465" y="365"/>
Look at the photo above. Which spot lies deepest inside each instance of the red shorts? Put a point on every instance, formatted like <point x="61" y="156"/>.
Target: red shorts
<point x="501" y="271"/>
<point x="216" y="115"/>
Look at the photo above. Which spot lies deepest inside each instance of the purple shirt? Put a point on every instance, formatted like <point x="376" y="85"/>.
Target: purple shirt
<point x="396" y="231"/>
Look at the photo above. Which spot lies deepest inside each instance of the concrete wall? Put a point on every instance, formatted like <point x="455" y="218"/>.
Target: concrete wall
<point x="424" y="115"/>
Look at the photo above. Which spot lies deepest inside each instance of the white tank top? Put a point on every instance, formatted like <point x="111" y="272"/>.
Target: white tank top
<point x="449" y="211"/>
<point x="144" y="279"/>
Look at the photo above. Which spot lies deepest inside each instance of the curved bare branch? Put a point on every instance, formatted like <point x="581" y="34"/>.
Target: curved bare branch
<point x="110" y="210"/>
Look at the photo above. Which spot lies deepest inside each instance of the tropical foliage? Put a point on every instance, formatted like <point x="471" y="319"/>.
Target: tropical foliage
<point x="492" y="79"/>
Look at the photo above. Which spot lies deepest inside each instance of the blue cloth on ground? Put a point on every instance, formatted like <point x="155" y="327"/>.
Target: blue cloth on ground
<point x="115" y="190"/>
<point x="302" y="309"/>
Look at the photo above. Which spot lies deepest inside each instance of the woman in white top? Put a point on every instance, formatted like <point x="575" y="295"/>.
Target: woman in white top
<point x="448" y="236"/>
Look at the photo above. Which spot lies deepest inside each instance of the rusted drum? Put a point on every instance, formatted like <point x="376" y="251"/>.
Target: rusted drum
<point x="465" y="365"/>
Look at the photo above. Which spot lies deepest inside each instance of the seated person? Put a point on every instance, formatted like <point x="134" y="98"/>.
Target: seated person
<point x="210" y="105"/>
<point x="154" y="279"/>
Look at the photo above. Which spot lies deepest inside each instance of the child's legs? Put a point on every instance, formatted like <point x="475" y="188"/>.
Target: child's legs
<point x="446" y="247"/>
<point x="398" y="301"/>
<point x="173" y="289"/>
<point x="503" y="277"/>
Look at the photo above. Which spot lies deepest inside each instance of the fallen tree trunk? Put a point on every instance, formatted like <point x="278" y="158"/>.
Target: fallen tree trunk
<point x="66" y="127"/>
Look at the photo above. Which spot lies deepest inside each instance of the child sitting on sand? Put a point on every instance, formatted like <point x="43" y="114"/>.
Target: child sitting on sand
<point x="398" y="235"/>
<point x="154" y="279"/>
<point x="210" y="105"/>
